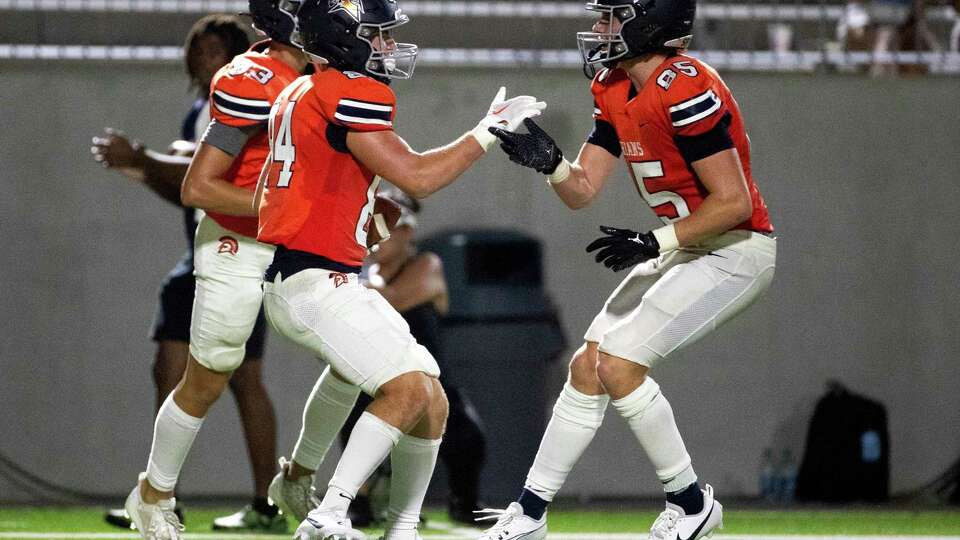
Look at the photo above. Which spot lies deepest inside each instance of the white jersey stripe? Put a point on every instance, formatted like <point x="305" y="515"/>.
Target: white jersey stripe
<point x="242" y="101"/>
<point x="238" y="114"/>
<point x="693" y="101"/>
<point x="365" y="105"/>
<point x="357" y="120"/>
<point x="686" y="121"/>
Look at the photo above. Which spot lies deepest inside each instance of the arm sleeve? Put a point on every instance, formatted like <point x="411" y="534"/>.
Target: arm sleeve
<point x="604" y="136"/>
<point x="228" y="138"/>
<point x="696" y="147"/>
<point x="362" y="105"/>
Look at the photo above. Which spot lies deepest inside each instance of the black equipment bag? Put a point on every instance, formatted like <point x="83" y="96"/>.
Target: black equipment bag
<point x="847" y="455"/>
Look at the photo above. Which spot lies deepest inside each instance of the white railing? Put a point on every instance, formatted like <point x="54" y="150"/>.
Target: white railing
<point x="476" y="8"/>
<point x="801" y="61"/>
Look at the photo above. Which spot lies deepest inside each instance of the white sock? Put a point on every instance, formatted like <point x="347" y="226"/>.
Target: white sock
<point x="412" y="461"/>
<point x="173" y="435"/>
<point x="650" y="417"/>
<point x="326" y="411"/>
<point x="370" y="442"/>
<point x="576" y="418"/>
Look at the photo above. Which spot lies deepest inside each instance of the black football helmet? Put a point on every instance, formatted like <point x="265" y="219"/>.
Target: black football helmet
<point x="645" y="26"/>
<point x="275" y="18"/>
<point x="356" y="35"/>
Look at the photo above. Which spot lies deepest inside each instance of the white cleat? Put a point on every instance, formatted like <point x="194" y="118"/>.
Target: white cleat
<point x="296" y="498"/>
<point x="153" y="521"/>
<point x="322" y="524"/>
<point x="512" y="524"/>
<point x="674" y="524"/>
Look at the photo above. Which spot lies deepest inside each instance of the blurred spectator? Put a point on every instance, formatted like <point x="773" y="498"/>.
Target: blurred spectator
<point x="954" y="43"/>
<point x="885" y="27"/>
<point x="853" y="29"/>
<point x="914" y="35"/>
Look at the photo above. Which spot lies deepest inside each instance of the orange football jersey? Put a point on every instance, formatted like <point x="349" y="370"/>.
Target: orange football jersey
<point x="241" y="95"/>
<point x="682" y="103"/>
<point x="317" y="197"/>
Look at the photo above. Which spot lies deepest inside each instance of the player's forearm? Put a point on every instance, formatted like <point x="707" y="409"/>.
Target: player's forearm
<point x="716" y="215"/>
<point x="164" y="174"/>
<point x="576" y="191"/>
<point x="219" y="196"/>
<point x="438" y="168"/>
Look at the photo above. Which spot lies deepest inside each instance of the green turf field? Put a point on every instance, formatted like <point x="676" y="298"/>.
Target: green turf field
<point x="29" y="522"/>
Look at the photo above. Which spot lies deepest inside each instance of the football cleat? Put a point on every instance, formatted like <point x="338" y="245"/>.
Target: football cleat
<point x="323" y="524"/>
<point x="512" y="523"/>
<point x="153" y="521"/>
<point x="296" y="498"/>
<point x="249" y="519"/>
<point x="118" y="517"/>
<point x="674" y="524"/>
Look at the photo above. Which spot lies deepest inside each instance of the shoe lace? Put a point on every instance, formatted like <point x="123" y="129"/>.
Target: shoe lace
<point x="503" y="516"/>
<point x="305" y="493"/>
<point x="664" y="524"/>
<point x="167" y="525"/>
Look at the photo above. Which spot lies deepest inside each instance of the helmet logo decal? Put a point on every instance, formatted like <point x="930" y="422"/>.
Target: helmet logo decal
<point x="354" y="8"/>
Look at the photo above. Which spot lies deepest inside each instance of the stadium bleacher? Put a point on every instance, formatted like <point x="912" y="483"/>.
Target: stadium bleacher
<point x="732" y="34"/>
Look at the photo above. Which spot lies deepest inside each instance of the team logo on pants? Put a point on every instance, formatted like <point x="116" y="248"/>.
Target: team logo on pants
<point x="228" y="244"/>
<point x="339" y="278"/>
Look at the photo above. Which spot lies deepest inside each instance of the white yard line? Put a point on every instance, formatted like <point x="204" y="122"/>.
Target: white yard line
<point x="458" y="533"/>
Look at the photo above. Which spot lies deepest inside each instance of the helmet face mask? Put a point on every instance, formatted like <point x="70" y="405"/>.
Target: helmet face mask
<point x="605" y="48"/>
<point x="634" y="28"/>
<point x="356" y="36"/>
<point x="388" y="59"/>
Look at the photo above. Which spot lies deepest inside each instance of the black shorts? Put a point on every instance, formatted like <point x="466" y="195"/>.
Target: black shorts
<point x="172" y="321"/>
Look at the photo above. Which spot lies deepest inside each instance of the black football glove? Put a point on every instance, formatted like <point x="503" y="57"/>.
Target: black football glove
<point x="623" y="248"/>
<point x="534" y="149"/>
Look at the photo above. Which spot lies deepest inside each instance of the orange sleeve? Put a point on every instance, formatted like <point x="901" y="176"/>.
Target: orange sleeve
<point x="361" y="104"/>
<point x="598" y="88"/>
<point x="237" y="99"/>
<point x="693" y="102"/>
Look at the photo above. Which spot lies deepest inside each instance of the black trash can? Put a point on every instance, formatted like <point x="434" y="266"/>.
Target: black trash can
<point x="499" y="338"/>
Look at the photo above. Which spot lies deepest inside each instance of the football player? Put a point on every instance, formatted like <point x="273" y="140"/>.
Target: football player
<point x="680" y="132"/>
<point x="211" y="43"/>
<point x="414" y="284"/>
<point x="228" y="260"/>
<point x="331" y="139"/>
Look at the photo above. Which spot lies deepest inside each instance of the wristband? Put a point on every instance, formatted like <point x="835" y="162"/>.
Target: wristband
<point x="560" y="174"/>
<point x="667" y="238"/>
<point x="483" y="136"/>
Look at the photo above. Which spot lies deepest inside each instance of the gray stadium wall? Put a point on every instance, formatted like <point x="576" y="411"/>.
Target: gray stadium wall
<point x="860" y="176"/>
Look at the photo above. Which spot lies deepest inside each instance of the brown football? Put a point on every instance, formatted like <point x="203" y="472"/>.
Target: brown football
<point x="389" y="211"/>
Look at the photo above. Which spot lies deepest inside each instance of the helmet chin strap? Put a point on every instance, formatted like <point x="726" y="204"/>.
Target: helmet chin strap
<point x="590" y="65"/>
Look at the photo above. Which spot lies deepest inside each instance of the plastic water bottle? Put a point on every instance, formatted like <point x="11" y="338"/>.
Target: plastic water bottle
<point x="768" y="476"/>
<point x="787" y="477"/>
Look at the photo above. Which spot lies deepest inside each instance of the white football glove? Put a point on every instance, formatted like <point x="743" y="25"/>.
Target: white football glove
<point x="506" y="114"/>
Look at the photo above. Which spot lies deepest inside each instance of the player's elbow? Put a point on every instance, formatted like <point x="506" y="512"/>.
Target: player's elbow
<point x="577" y="204"/>
<point x="191" y="192"/>
<point x="741" y="208"/>
<point x="420" y="190"/>
<point x="415" y="184"/>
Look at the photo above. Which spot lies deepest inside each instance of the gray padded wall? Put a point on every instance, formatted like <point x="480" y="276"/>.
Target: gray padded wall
<point x="860" y="176"/>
